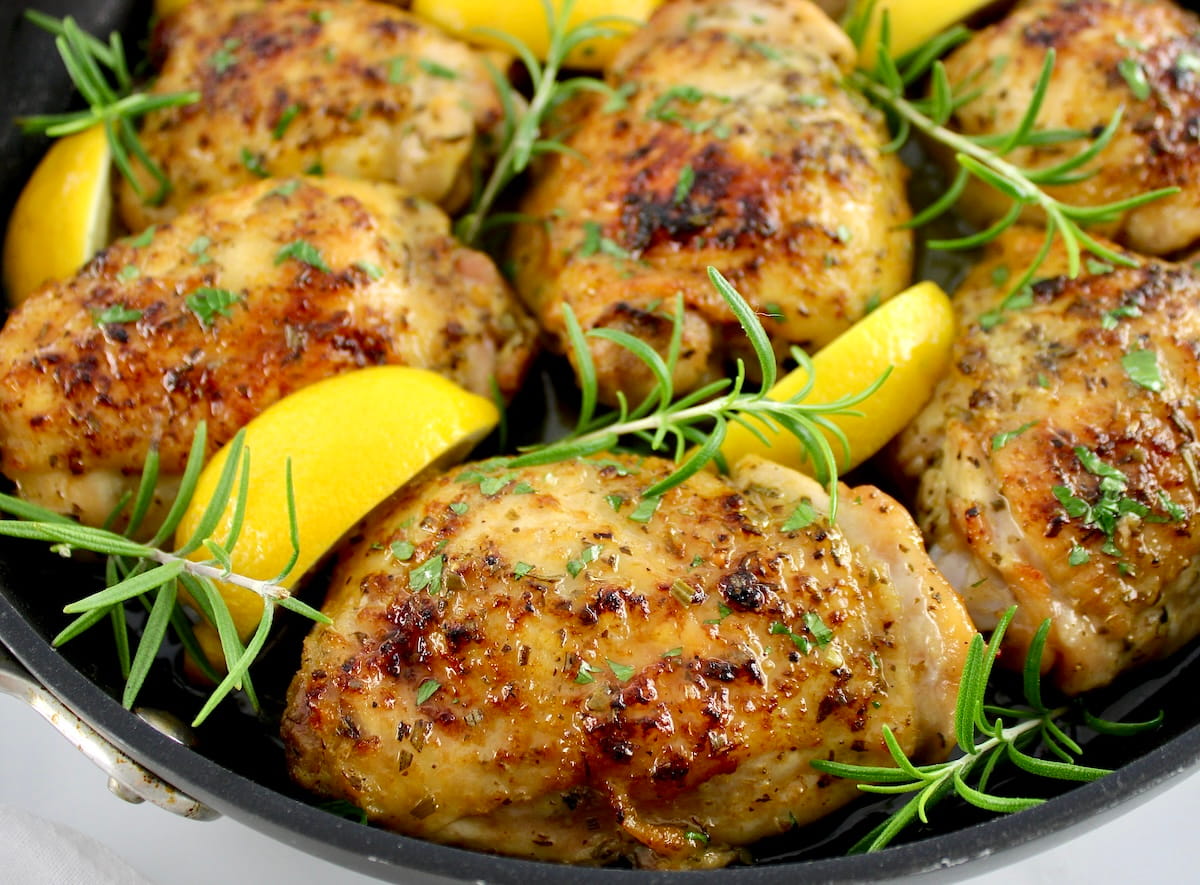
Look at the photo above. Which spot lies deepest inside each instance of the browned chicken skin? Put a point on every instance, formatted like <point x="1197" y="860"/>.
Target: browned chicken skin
<point x="311" y="277"/>
<point x="358" y="89"/>
<point x="516" y="665"/>
<point x="1142" y="57"/>
<point x="1012" y="453"/>
<point x="737" y="148"/>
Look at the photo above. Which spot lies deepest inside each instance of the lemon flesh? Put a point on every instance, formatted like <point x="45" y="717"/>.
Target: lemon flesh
<point x="526" y="20"/>
<point x="913" y="22"/>
<point x="352" y="440"/>
<point x="912" y="333"/>
<point x="63" y="215"/>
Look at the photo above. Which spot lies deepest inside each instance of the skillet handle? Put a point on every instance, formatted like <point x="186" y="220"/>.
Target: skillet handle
<point x="126" y="778"/>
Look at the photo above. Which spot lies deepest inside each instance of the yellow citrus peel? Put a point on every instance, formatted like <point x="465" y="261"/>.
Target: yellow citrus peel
<point x="352" y="440"/>
<point x="63" y="215"/>
<point x="526" y="20"/>
<point x="911" y="333"/>
<point x="913" y="22"/>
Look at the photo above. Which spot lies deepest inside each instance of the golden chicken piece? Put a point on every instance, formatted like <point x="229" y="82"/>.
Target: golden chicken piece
<point x="521" y="661"/>
<point x="219" y="313"/>
<point x="738" y="148"/>
<point x="1057" y="460"/>
<point x="358" y="89"/>
<point x="1130" y="55"/>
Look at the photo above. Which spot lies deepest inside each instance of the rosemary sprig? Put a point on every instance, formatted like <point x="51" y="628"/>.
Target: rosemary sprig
<point x="983" y="157"/>
<point x="983" y="744"/>
<point x="523" y="136"/>
<point x="148" y="575"/>
<point x="701" y="418"/>
<point x="113" y="105"/>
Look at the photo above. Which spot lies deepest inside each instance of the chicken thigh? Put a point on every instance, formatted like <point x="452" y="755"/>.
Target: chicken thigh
<point x="736" y="147"/>
<point x="1057" y="461"/>
<point x="521" y="661"/>
<point x="1142" y="58"/>
<point x="232" y="305"/>
<point x="358" y="89"/>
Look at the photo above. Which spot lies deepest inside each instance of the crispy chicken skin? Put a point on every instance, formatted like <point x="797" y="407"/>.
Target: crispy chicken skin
<point x="515" y="665"/>
<point x="358" y="89"/>
<point x="316" y="277"/>
<point x="1014" y="513"/>
<point x="737" y="148"/>
<point x="1104" y="49"/>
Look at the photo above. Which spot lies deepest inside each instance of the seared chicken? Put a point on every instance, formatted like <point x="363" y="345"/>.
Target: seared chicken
<point x="357" y="89"/>
<point x="736" y="147"/>
<point x="517" y="663"/>
<point x="1057" y="460"/>
<point x="1142" y="58"/>
<point x="230" y="306"/>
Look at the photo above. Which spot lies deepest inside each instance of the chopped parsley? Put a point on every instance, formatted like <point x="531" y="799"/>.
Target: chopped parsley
<point x="1098" y="267"/>
<point x="398" y="70"/>
<point x="1078" y="555"/>
<point x="199" y="248"/>
<point x="645" y="509"/>
<point x="304" y="252"/>
<point x="803" y="516"/>
<point x="437" y="70"/>
<point x="284" y="190"/>
<point x="584" y="676"/>
<point x="622" y="671"/>
<point x="118" y="313"/>
<point x="254" y="163"/>
<point x="594" y="241"/>
<point x="1111" y="505"/>
<point x="575" y="566"/>
<point x="1000" y="274"/>
<point x="144" y="238"/>
<point x="675" y="652"/>
<point x="426" y="690"/>
<point x="1187" y="62"/>
<point x="723" y="611"/>
<point x="403" y="550"/>
<point x="801" y="642"/>
<point x="1112" y="317"/>
<point x="1142" y="368"/>
<point x="809" y="101"/>
<point x="428" y="575"/>
<point x="616" y="502"/>
<point x="223" y="59"/>
<point x="1000" y="440"/>
<point x="820" y="632"/>
<point x="521" y="569"/>
<point x="128" y="272"/>
<point x="774" y="312"/>
<point x="1135" y="78"/>
<point x="206" y="302"/>
<point x="683" y="187"/>
<point x="285" y="120"/>
<point x="843" y="234"/>
<point x="374" y="271"/>
<point x="1013" y="301"/>
<point x="460" y="507"/>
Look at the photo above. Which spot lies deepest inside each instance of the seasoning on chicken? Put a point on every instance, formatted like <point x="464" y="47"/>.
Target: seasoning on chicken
<point x="737" y="147"/>
<point x="1057" y="460"/>
<point x="362" y="90"/>
<point x="224" y="310"/>
<point x="522" y="661"/>
<point x="1129" y="55"/>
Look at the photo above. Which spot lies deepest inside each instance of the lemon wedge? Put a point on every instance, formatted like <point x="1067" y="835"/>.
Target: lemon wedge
<point x="912" y="22"/>
<point x="912" y="333"/>
<point x="526" y="20"/>
<point x="63" y="216"/>
<point x="352" y="440"/>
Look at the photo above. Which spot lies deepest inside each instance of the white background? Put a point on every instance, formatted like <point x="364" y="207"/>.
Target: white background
<point x="41" y="773"/>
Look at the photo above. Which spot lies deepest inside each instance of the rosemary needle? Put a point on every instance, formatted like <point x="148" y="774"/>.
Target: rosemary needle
<point x="114" y="106"/>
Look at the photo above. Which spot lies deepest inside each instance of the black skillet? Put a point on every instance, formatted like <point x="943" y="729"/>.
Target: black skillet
<point x="236" y="766"/>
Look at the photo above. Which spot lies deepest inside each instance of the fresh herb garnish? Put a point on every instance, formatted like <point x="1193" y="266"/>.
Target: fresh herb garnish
<point x="304" y="252"/>
<point x="802" y="517"/>
<point x="985" y="739"/>
<point x="1142" y="368"/>
<point x="1000" y="440"/>
<point x="683" y="187"/>
<point x="426" y="690"/>
<point x="112" y="105"/>
<point x="206" y="302"/>
<point x="118" y="313"/>
<point x="428" y="575"/>
<point x="285" y="120"/>
<point x="148" y="576"/>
